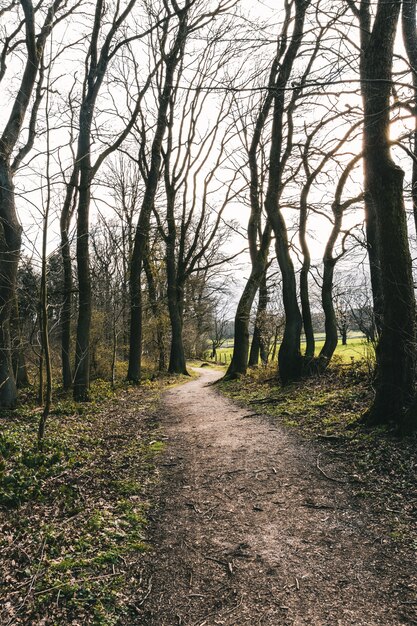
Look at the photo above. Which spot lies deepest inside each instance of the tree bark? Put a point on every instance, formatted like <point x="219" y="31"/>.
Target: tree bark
<point x="10" y="242"/>
<point x="258" y="348"/>
<point x="65" y="221"/>
<point x="330" y="322"/>
<point x="304" y="274"/>
<point x="82" y="347"/>
<point x="10" y="229"/>
<point x="177" y="361"/>
<point x="153" y="301"/>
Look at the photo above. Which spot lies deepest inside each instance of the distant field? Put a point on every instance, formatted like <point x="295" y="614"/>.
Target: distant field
<point x="357" y="348"/>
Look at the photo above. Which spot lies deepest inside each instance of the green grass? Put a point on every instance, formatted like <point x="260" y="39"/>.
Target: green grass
<point x="326" y="404"/>
<point x="357" y="348"/>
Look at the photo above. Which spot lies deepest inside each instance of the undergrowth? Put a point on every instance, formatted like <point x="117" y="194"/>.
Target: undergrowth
<point x="73" y="517"/>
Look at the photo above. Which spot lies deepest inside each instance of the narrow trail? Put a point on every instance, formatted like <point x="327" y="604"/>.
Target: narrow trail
<point x="250" y="532"/>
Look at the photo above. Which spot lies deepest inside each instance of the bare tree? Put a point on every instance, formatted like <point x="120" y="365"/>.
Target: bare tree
<point x="10" y="160"/>
<point x="182" y="22"/>
<point x="289" y="358"/>
<point x="396" y="351"/>
<point x="329" y="263"/>
<point x="102" y="49"/>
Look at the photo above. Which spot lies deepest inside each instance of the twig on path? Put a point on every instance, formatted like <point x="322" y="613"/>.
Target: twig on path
<point x="333" y="437"/>
<point x="219" y="613"/>
<point x="148" y="592"/>
<point x="226" y="564"/>
<point x="79" y="580"/>
<point x="335" y="480"/>
<point x="228" y="472"/>
<point x="311" y="505"/>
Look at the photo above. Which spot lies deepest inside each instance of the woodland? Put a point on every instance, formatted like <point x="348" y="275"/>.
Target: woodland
<point x="182" y="182"/>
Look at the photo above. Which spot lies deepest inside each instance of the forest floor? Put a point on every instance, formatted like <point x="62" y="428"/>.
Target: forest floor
<point x="166" y="505"/>
<point x="258" y="524"/>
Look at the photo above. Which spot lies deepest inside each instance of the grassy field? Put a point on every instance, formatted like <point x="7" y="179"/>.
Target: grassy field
<point x="357" y="348"/>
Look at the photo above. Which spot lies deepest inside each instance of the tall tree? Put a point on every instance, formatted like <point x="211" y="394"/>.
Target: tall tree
<point x="174" y="34"/>
<point x="329" y="263"/>
<point x="171" y="52"/>
<point x="193" y="221"/>
<point x="396" y="350"/>
<point x="102" y="49"/>
<point x="258" y="229"/>
<point x="362" y="11"/>
<point x="10" y="227"/>
<point x="289" y="356"/>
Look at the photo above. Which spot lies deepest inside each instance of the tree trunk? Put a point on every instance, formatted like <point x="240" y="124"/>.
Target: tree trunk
<point x="275" y="344"/>
<point x="177" y="362"/>
<point x="142" y="230"/>
<point x="18" y="354"/>
<point x="373" y="255"/>
<point x="289" y="356"/>
<point x="255" y="347"/>
<point x="65" y="222"/>
<point x="153" y="301"/>
<point x="396" y="350"/>
<point x="114" y="352"/>
<point x="82" y="349"/>
<point x="258" y="349"/>
<point x="330" y="322"/>
<point x="44" y="314"/>
<point x="10" y="242"/>
<point x="239" y="363"/>
<point x="304" y="273"/>
<point x="66" y="314"/>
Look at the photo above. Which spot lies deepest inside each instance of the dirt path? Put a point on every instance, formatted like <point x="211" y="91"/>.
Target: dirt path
<point x="250" y="532"/>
